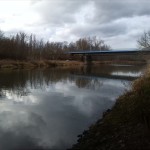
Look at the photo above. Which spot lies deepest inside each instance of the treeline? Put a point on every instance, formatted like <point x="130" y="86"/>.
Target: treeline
<point x="27" y="47"/>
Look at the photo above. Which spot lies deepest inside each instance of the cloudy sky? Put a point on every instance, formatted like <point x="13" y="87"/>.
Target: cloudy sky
<point x="118" y="22"/>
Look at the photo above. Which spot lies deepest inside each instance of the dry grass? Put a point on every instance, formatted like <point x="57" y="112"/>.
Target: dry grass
<point x="11" y="64"/>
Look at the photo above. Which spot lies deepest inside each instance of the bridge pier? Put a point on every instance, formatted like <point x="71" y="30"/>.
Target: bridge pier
<point x="88" y="59"/>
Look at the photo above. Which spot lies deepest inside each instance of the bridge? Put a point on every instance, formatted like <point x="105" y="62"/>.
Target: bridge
<point x="88" y="54"/>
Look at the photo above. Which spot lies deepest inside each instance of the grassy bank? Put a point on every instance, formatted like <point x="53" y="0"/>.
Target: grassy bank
<point x="12" y="64"/>
<point x="126" y="126"/>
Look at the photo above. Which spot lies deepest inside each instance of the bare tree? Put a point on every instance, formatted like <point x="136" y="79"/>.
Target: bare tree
<point x="1" y="34"/>
<point x="26" y="47"/>
<point x="144" y="41"/>
<point x="91" y="43"/>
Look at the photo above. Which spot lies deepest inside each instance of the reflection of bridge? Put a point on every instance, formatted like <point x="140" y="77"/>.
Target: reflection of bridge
<point x="87" y="54"/>
<point x="105" y="76"/>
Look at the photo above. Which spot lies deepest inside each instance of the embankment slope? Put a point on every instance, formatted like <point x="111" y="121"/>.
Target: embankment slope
<point x="126" y="126"/>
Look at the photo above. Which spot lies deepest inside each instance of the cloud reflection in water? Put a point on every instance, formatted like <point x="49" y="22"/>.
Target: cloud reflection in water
<point x="52" y="114"/>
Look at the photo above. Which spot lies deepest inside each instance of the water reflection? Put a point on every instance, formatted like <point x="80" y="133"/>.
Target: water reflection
<point x="129" y="74"/>
<point x="47" y="109"/>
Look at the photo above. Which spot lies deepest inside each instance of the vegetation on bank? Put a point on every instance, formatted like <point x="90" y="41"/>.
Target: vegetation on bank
<point x="17" y="64"/>
<point x="29" y="51"/>
<point x="126" y="126"/>
<point x="27" y="47"/>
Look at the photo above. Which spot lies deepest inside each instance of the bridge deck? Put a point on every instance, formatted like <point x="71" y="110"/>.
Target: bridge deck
<point x="106" y="52"/>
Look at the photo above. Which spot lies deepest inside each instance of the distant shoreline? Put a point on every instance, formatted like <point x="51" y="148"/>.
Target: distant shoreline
<point x="17" y="64"/>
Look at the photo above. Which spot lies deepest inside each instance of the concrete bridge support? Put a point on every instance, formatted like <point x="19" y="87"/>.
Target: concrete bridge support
<point x="87" y="59"/>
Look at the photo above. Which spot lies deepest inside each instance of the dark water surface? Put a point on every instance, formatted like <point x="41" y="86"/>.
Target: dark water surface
<point x="47" y="109"/>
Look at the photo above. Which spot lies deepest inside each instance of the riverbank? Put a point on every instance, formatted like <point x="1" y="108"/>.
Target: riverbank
<point x="126" y="126"/>
<point x="12" y="64"/>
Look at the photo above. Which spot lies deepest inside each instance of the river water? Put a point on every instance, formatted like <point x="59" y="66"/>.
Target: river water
<point x="45" y="109"/>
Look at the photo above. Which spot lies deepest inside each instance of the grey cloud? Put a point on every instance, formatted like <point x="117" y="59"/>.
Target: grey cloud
<point x="107" y="11"/>
<point x="103" y="22"/>
<point x="58" y="12"/>
<point x="72" y="19"/>
<point x="63" y="11"/>
<point x="113" y="29"/>
<point x="105" y="30"/>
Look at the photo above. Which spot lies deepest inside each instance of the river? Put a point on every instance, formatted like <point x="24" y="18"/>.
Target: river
<point x="45" y="109"/>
